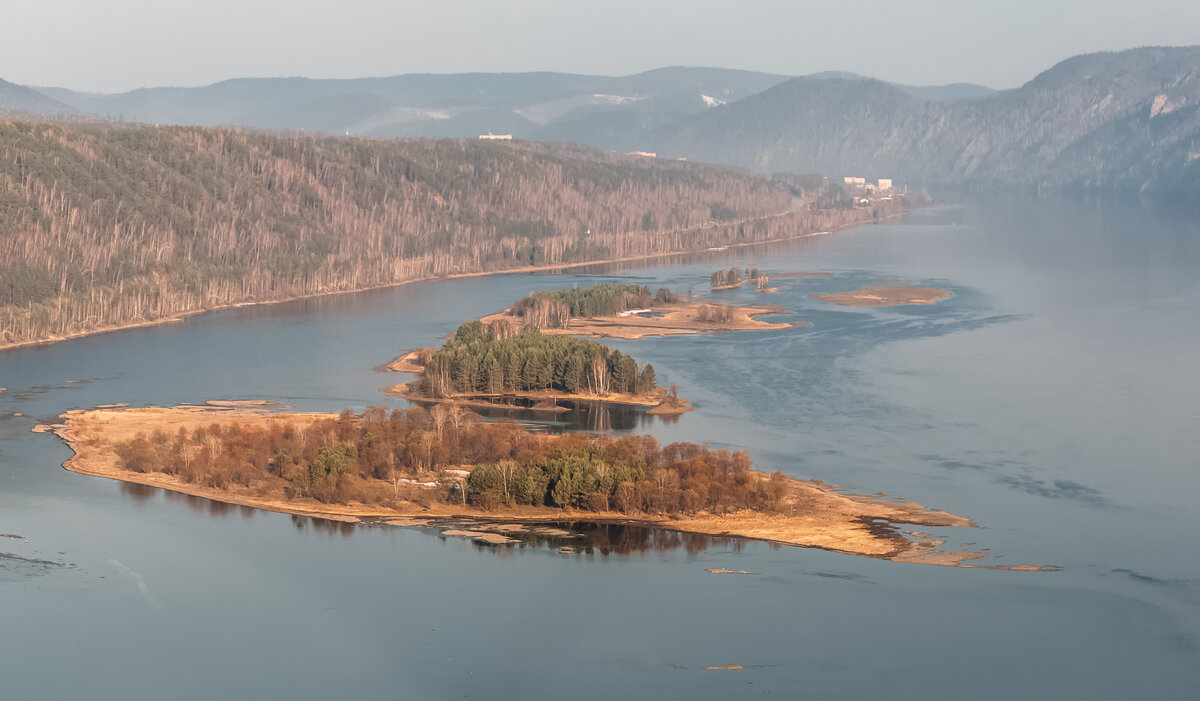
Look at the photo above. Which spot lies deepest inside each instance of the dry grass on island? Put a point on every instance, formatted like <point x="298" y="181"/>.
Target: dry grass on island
<point x="885" y="296"/>
<point x="418" y="467"/>
<point x="679" y="318"/>
<point x="628" y="312"/>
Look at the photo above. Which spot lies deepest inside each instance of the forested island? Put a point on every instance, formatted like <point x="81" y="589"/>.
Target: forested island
<point x="732" y="278"/>
<point x="627" y="311"/>
<point x="531" y="350"/>
<point x="105" y="226"/>
<point x="480" y="360"/>
<point x="416" y="466"/>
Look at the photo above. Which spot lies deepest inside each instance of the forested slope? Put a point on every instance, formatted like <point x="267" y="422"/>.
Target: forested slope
<point x="104" y="226"/>
<point x="1121" y="122"/>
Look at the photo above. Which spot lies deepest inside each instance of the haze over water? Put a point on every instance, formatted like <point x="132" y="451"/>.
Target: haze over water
<point x="1052" y="399"/>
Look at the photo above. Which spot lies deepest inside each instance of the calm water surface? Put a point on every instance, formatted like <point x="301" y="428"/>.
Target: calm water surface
<point x="1052" y="398"/>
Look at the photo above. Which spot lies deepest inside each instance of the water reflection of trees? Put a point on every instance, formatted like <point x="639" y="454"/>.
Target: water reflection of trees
<point x="210" y="507"/>
<point x="323" y="525"/>
<point x="138" y="492"/>
<point x="597" y="417"/>
<point x="608" y="539"/>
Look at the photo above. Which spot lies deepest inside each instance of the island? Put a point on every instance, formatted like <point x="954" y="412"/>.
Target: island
<point x="439" y="464"/>
<point x="482" y="365"/>
<point x="885" y="296"/>
<point x="424" y="467"/>
<point x="629" y="312"/>
<point x="530" y="354"/>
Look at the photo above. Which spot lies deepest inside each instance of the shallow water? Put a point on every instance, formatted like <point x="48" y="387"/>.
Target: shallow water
<point x="1052" y="399"/>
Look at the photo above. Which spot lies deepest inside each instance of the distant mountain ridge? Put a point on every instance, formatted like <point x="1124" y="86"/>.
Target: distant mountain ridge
<point x="433" y="105"/>
<point x="1117" y="121"/>
<point x="608" y="112"/>
<point x="20" y="99"/>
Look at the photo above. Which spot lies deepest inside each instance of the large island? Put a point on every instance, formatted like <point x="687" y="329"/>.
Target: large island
<point x="430" y="467"/>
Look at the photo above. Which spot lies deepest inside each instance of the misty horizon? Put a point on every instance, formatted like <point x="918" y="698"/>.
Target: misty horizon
<point x="131" y="44"/>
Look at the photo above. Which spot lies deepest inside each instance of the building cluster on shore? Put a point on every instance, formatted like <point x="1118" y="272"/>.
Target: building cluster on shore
<point x="881" y="185"/>
<point x="864" y="192"/>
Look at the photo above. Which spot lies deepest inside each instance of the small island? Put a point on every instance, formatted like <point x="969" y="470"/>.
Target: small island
<point x="885" y="296"/>
<point x="422" y="467"/>
<point x="628" y="312"/>
<point x="531" y="352"/>
<point x="482" y="364"/>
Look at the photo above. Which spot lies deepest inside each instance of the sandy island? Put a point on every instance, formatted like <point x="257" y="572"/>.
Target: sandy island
<point x="888" y="296"/>
<point x="816" y="514"/>
<point x="408" y="362"/>
<point x="668" y="320"/>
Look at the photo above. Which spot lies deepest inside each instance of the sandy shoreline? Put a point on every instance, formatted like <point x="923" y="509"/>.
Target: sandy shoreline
<point x="821" y="516"/>
<point x="406" y="362"/>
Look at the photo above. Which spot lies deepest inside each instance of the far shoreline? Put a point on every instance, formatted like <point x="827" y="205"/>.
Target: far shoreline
<point x="185" y="315"/>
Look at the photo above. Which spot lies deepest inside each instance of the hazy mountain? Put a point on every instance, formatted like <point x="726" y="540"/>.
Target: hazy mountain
<point x="948" y="93"/>
<point x="18" y="98"/>
<point x="937" y="93"/>
<point x="464" y="104"/>
<point x="1123" y="120"/>
<point x="608" y="112"/>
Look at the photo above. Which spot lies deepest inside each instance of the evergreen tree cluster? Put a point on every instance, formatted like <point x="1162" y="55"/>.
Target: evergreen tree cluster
<point x="477" y="360"/>
<point x="629" y="475"/>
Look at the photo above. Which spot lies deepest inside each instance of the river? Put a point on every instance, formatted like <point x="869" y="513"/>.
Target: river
<point x="1052" y="399"/>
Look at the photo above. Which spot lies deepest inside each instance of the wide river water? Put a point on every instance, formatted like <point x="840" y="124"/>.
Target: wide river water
<point x="1054" y="399"/>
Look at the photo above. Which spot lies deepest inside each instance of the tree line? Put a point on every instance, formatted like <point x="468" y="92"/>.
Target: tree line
<point x="386" y="458"/>
<point x="553" y="309"/>
<point x="731" y="277"/>
<point x="483" y="359"/>
<point x="104" y="225"/>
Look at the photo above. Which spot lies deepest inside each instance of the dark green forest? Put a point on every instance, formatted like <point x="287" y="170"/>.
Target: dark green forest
<point x="478" y="359"/>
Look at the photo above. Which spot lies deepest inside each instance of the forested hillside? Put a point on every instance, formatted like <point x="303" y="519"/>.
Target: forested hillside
<point x="105" y="226"/>
<point x="1125" y="121"/>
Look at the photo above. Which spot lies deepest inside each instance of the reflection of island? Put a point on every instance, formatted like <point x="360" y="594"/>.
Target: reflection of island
<point x="885" y="296"/>
<point x="417" y="467"/>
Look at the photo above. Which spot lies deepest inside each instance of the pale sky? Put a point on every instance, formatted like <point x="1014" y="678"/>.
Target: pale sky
<point x="116" y="45"/>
